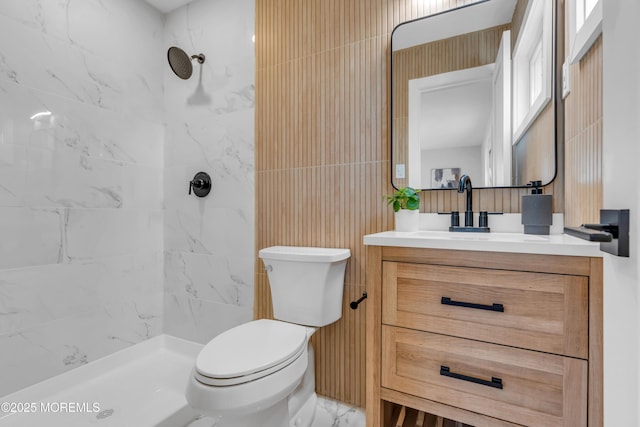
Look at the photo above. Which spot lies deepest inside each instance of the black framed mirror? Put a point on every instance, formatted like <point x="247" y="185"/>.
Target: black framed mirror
<point x="473" y="91"/>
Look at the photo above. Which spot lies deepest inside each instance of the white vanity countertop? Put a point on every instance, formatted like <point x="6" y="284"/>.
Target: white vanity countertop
<point x="554" y="244"/>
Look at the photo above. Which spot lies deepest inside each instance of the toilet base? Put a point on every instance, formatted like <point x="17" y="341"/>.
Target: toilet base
<point x="273" y="416"/>
<point x="305" y="415"/>
<point x="302" y="402"/>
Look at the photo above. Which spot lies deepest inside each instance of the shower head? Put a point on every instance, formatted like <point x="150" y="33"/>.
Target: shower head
<point x="180" y="62"/>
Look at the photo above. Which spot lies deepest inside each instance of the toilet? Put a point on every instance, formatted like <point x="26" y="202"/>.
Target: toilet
<point x="261" y="373"/>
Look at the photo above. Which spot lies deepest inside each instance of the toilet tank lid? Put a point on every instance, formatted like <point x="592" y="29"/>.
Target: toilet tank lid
<point x="305" y="254"/>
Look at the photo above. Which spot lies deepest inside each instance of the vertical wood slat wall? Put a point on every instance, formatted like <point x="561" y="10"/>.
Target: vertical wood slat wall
<point x="322" y="151"/>
<point x="322" y="156"/>
<point x="583" y="140"/>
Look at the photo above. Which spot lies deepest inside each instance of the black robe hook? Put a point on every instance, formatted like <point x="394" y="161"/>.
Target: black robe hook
<point x="355" y="304"/>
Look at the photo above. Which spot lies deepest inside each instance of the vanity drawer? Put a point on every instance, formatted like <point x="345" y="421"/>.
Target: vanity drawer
<point x="516" y="385"/>
<point x="536" y="311"/>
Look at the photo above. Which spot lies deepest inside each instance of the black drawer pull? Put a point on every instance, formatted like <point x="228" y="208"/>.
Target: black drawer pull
<point x="493" y="307"/>
<point x="495" y="382"/>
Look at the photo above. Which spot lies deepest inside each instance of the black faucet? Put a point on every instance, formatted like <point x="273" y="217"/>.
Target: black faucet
<point x="465" y="184"/>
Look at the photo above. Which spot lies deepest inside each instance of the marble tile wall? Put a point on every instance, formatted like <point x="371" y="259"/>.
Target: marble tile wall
<point x="81" y="214"/>
<point x="209" y="242"/>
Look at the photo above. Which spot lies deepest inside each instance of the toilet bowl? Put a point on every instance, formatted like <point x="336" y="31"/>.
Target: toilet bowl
<point x="261" y="373"/>
<point x="248" y="369"/>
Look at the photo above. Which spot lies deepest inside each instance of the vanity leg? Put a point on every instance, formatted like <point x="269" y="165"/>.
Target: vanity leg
<point x="377" y="411"/>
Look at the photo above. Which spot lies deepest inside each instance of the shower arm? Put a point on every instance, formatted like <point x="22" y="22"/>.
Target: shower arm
<point x="199" y="57"/>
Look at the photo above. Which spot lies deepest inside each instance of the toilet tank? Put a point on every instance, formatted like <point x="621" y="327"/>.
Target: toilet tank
<point x="306" y="283"/>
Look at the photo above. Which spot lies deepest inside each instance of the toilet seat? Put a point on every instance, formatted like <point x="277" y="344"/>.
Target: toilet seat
<point x="249" y="352"/>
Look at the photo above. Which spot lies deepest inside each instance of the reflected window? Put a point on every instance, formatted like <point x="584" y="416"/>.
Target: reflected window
<point x="584" y="9"/>
<point x="535" y="73"/>
<point x="532" y="66"/>
<point x="585" y="26"/>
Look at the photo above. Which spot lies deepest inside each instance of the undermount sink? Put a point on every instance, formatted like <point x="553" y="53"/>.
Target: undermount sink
<point x="489" y="237"/>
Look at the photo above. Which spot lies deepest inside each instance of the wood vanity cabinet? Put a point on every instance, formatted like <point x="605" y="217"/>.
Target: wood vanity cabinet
<point x="484" y="338"/>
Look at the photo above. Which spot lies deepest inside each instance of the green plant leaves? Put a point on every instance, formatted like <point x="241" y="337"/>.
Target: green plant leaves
<point x="412" y="204"/>
<point x="404" y="198"/>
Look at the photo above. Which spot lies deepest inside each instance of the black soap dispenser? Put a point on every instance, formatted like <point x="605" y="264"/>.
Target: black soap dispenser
<point x="536" y="210"/>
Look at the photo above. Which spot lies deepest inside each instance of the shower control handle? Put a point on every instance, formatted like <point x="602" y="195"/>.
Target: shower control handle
<point x="197" y="183"/>
<point x="200" y="184"/>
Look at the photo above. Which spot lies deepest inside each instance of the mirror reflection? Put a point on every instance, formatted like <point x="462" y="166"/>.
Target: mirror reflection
<point x="472" y="94"/>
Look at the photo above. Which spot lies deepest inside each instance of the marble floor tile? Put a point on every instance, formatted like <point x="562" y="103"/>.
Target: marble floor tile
<point x="332" y="413"/>
<point x="329" y="413"/>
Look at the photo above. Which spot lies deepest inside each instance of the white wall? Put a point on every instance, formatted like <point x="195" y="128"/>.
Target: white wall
<point x="468" y="159"/>
<point x="209" y="242"/>
<point x="81" y="219"/>
<point x="621" y="154"/>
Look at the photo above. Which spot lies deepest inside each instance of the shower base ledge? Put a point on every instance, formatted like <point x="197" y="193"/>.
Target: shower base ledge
<point x="142" y="385"/>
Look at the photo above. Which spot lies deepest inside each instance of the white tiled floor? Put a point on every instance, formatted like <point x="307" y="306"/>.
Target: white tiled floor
<point x="329" y="413"/>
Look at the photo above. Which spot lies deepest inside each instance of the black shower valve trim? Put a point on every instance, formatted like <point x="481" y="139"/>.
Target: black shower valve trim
<point x="200" y="184"/>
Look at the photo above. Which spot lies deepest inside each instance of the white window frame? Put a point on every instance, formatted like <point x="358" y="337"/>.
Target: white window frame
<point x="584" y="28"/>
<point x="536" y="30"/>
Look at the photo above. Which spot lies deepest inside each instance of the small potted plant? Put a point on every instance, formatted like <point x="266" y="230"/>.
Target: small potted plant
<point x="405" y="202"/>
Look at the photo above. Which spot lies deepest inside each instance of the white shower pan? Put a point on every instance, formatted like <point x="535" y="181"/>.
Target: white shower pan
<point x="142" y="385"/>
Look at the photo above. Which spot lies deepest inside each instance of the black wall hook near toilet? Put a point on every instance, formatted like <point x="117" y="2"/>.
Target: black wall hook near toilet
<point x="201" y="184"/>
<point x="355" y="304"/>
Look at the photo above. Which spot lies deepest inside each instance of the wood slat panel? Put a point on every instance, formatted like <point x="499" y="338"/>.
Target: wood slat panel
<point x="535" y="146"/>
<point x="321" y="151"/>
<point x="314" y="207"/>
<point x="583" y="140"/>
